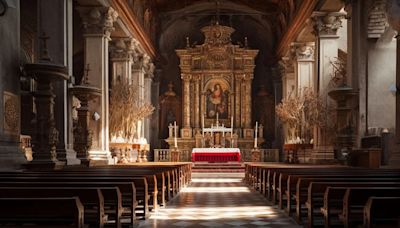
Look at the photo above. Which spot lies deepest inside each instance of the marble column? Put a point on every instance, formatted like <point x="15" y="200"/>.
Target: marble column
<point x="148" y="81"/>
<point x="326" y="25"/>
<point x="121" y="58"/>
<point x="186" y="131"/>
<point x="98" y="25"/>
<point x="11" y="156"/>
<point x="288" y="76"/>
<point x="138" y="74"/>
<point x="53" y="17"/>
<point x="305" y="66"/>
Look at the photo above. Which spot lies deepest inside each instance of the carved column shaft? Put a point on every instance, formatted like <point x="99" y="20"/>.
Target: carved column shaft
<point x="186" y="100"/>
<point x="238" y="101"/>
<point x="247" y="104"/>
<point x="197" y="102"/>
<point x="98" y="25"/>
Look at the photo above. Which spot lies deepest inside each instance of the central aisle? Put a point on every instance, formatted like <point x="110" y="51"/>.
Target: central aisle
<point x="218" y="200"/>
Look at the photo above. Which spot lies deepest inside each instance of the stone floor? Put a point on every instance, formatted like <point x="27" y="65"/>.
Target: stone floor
<point x="218" y="200"/>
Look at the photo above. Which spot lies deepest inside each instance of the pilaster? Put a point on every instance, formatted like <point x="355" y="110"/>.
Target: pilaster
<point x="326" y="25"/>
<point x="304" y="70"/>
<point x="98" y="24"/>
<point x="186" y="131"/>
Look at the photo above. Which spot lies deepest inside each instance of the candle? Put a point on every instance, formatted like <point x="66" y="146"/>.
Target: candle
<point x="223" y="131"/>
<point x="217" y="120"/>
<point x="139" y="126"/>
<point x="255" y="136"/>
<point x="175" y="139"/>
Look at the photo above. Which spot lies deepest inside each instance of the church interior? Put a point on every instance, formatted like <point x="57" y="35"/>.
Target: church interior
<point x="199" y="113"/>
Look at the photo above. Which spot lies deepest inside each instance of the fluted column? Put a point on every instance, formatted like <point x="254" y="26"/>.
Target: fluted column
<point x="98" y="24"/>
<point x="238" y="101"/>
<point x="186" y="100"/>
<point x="197" y="115"/>
<point x="247" y="101"/>
<point x="326" y="25"/>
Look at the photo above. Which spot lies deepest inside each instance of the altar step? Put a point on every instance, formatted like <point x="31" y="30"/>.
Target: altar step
<point x="228" y="167"/>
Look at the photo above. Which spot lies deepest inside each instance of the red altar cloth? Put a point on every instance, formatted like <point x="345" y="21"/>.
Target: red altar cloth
<point x="216" y="154"/>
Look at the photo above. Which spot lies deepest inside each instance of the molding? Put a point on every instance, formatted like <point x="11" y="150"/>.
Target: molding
<point x="305" y="11"/>
<point x="126" y="15"/>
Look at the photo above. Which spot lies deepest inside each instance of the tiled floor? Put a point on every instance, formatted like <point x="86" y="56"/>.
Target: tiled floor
<point x="218" y="200"/>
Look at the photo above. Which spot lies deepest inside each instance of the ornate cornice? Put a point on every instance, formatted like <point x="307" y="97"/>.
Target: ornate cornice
<point x="305" y="10"/>
<point x="98" y="20"/>
<point x="327" y="23"/>
<point x="126" y="15"/>
<point x="377" y="21"/>
<point x="123" y="48"/>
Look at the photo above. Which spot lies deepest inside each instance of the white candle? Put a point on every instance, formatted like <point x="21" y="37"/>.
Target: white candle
<point x="223" y="131"/>
<point x="255" y="136"/>
<point x="139" y="127"/>
<point x="217" y="120"/>
<point x="175" y="139"/>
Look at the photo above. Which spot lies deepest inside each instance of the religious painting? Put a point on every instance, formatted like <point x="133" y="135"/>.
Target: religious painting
<point x="217" y="98"/>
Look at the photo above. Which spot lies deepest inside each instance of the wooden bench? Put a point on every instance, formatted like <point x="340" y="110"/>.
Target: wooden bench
<point x="319" y="206"/>
<point x="50" y="212"/>
<point x="91" y="198"/>
<point x="377" y="215"/>
<point x="356" y="198"/>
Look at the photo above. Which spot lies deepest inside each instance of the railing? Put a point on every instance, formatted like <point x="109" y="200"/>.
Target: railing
<point x="267" y="155"/>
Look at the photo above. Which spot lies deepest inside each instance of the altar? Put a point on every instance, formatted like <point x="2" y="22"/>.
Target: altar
<point x="216" y="154"/>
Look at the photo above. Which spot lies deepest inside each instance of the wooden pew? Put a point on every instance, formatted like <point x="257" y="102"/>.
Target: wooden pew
<point x="50" y="212"/>
<point x="382" y="212"/>
<point x="124" y="205"/>
<point x="303" y="183"/>
<point x="356" y="198"/>
<point x="318" y="205"/>
<point x="91" y="198"/>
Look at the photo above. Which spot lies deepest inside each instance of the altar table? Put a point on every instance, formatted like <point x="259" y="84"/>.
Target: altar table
<point x="216" y="154"/>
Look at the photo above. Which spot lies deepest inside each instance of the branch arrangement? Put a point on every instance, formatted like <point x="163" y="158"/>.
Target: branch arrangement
<point x="126" y="109"/>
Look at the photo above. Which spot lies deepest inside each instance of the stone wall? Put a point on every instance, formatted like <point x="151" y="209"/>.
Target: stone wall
<point x="10" y="155"/>
<point x="381" y="75"/>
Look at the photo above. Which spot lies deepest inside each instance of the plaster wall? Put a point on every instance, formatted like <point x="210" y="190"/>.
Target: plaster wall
<point x="381" y="75"/>
<point x="342" y="33"/>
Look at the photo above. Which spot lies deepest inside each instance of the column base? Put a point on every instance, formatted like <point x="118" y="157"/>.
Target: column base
<point x="99" y="158"/>
<point x="71" y="158"/>
<point x="322" y="154"/>
<point x="11" y="158"/>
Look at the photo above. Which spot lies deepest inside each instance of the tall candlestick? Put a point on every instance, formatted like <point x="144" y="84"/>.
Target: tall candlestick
<point x="175" y="139"/>
<point x="255" y="136"/>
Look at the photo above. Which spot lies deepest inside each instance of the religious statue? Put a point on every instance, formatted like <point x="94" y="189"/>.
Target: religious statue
<point x="217" y="102"/>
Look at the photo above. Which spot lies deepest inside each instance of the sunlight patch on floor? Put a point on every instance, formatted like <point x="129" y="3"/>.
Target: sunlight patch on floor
<point x="215" y="189"/>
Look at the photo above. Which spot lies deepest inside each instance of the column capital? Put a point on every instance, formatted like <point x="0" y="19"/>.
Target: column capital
<point x="98" y="20"/>
<point x="148" y="66"/>
<point x="303" y="51"/>
<point x="123" y="48"/>
<point x="286" y="65"/>
<point x="186" y="77"/>
<point x="326" y="24"/>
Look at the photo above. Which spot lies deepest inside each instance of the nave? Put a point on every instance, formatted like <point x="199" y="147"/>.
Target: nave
<point x="218" y="200"/>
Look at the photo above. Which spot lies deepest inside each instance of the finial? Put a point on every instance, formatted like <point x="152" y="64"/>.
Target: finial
<point x="187" y="42"/>
<point x="44" y="55"/>
<point x="85" y="79"/>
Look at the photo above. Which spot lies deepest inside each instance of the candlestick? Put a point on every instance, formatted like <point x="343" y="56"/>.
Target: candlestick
<point x="255" y="136"/>
<point x="175" y="139"/>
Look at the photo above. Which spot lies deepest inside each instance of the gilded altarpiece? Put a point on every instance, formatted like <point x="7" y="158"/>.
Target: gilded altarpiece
<point x="216" y="85"/>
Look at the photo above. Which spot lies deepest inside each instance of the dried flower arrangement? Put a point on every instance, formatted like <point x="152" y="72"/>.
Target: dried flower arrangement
<point x="126" y="110"/>
<point x="302" y="113"/>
